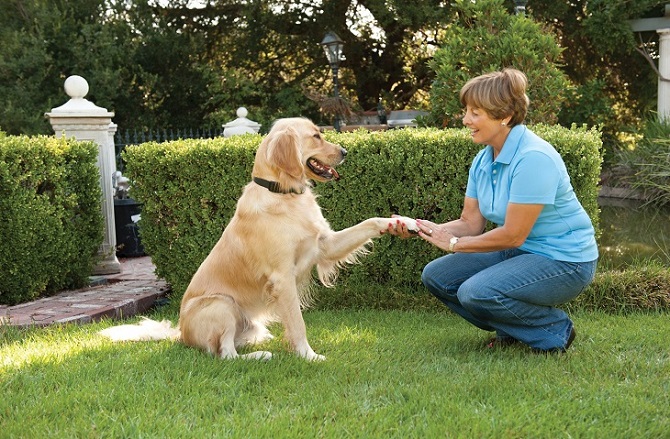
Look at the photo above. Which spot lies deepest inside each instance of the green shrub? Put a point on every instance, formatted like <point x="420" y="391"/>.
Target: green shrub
<point x="189" y="189"/>
<point x="484" y="38"/>
<point x="421" y="173"/>
<point x="50" y="215"/>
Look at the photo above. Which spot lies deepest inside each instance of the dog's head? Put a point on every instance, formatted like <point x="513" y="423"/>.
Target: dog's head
<point x="294" y="151"/>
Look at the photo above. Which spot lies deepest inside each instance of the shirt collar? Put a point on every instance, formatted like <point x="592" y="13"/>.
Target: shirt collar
<point x="511" y="145"/>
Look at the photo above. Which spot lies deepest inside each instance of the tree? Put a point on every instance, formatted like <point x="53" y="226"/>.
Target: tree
<point x="276" y="43"/>
<point x="42" y="43"/>
<point x="172" y="64"/>
<point x="484" y="38"/>
<point x="615" y="87"/>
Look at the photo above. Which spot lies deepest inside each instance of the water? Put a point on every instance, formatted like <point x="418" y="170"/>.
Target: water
<point x="632" y="232"/>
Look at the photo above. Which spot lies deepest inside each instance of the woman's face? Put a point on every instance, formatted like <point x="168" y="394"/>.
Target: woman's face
<point x="484" y="129"/>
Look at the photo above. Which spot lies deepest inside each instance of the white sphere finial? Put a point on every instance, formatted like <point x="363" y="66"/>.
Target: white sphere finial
<point x="76" y="87"/>
<point x="241" y="125"/>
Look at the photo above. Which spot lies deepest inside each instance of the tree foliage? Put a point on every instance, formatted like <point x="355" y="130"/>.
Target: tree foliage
<point x="175" y="65"/>
<point x="178" y="63"/>
<point x="615" y="87"/>
<point x="484" y="38"/>
<point x="41" y="43"/>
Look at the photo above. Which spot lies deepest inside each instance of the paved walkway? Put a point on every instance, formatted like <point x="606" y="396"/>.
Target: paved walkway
<point x="131" y="292"/>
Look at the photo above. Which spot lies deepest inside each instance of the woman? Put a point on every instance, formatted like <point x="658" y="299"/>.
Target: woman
<point x="543" y="251"/>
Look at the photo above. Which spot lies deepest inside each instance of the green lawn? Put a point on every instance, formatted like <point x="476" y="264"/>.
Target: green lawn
<point x="387" y="374"/>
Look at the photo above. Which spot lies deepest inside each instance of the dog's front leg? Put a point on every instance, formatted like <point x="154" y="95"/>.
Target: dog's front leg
<point x="285" y="293"/>
<point x="337" y="246"/>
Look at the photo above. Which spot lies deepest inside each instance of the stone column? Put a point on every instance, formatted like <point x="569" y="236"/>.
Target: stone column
<point x="83" y="120"/>
<point x="241" y="125"/>
<point x="664" y="71"/>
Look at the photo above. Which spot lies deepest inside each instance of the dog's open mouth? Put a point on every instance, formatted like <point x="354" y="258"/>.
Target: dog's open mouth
<point x="322" y="170"/>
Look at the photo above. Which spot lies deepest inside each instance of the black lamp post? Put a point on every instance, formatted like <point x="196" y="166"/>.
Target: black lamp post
<point x="520" y="7"/>
<point x="332" y="46"/>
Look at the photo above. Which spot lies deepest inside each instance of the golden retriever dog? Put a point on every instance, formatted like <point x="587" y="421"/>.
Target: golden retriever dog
<point x="261" y="268"/>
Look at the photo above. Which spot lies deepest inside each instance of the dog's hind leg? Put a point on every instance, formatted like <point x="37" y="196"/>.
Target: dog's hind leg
<point x="213" y="323"/>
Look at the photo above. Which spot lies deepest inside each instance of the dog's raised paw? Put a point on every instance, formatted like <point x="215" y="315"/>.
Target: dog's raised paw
<point x="410" y="223"/>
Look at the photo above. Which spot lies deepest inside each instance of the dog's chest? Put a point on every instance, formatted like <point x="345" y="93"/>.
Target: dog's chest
<point x="306" y="253"/>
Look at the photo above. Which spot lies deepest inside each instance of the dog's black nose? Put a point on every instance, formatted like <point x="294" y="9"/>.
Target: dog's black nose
<point x="344" y="152"/>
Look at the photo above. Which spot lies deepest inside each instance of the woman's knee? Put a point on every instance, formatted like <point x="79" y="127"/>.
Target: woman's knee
<point x="428" y="275"/>
<point x="434" y="275"/>
<point x="474" y="296"/>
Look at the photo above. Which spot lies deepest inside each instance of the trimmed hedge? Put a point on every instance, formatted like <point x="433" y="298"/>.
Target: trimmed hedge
<point x="50" y="218"/>
<point x="189" y="189"/>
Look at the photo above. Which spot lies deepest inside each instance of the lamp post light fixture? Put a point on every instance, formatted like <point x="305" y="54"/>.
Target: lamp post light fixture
<point x="332" y="46"/>
<point x="520" y="7"/>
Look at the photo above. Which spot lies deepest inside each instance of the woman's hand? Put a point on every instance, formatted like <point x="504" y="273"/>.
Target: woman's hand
<point x="436" y="234"/>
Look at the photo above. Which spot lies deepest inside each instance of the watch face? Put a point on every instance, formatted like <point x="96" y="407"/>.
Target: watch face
<point x="452" y="243"/>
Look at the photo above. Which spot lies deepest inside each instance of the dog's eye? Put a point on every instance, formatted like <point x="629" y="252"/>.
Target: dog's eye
<point x="317" y="136"/>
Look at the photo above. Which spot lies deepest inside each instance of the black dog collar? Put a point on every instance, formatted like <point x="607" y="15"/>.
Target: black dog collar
<point x="273" y="186"/>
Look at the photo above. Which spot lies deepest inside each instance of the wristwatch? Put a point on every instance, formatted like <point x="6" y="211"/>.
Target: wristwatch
<point x="452" y="243"/>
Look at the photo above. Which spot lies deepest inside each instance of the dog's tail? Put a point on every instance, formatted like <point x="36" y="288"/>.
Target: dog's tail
<point x="145" y="330"/>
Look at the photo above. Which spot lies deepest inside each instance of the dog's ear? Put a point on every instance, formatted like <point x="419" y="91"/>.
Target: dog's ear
<point x="284" y="152"/>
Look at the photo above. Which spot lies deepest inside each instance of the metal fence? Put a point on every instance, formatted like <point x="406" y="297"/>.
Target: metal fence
<point x="123" y="138"/>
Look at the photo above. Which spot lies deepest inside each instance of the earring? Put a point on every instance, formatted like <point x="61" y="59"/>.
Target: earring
<point x="503" y="124"/>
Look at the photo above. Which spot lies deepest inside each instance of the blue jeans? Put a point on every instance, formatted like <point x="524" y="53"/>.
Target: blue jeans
<point x="511" y="292"/>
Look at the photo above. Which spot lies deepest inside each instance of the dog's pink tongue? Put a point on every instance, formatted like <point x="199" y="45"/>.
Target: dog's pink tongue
<point x="336" y="175"/>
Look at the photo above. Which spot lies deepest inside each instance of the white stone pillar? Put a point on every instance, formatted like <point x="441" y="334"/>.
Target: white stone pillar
<point x="664" y="71"/>
<point x="241" y="125"/>
<point x="83" y="120"/>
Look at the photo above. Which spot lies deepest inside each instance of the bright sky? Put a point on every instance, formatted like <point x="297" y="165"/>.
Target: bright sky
<point x="358" y="17"/>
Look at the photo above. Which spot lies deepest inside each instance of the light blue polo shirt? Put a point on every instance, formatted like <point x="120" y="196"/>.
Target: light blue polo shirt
<point x="529" y="170"/>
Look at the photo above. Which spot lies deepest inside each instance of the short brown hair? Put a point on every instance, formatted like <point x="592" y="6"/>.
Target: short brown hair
<point x="500" y="94"/>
